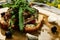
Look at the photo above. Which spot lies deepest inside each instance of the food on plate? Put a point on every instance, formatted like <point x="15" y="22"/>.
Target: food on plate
<point x="35" y="27"/>
<point x="8" y="34"/>
<point x="54" y="29"/>
<point x="27" y="17"/>
<point x="31" y="21"/>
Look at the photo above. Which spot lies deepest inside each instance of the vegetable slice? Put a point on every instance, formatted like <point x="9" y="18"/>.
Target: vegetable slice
<point x="21" y="25"/>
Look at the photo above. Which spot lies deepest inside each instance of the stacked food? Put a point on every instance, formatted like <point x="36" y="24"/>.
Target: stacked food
<point x="25" y="17"/>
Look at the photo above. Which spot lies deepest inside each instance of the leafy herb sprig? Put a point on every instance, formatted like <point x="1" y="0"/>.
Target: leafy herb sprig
<point x="18" y="7"/>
